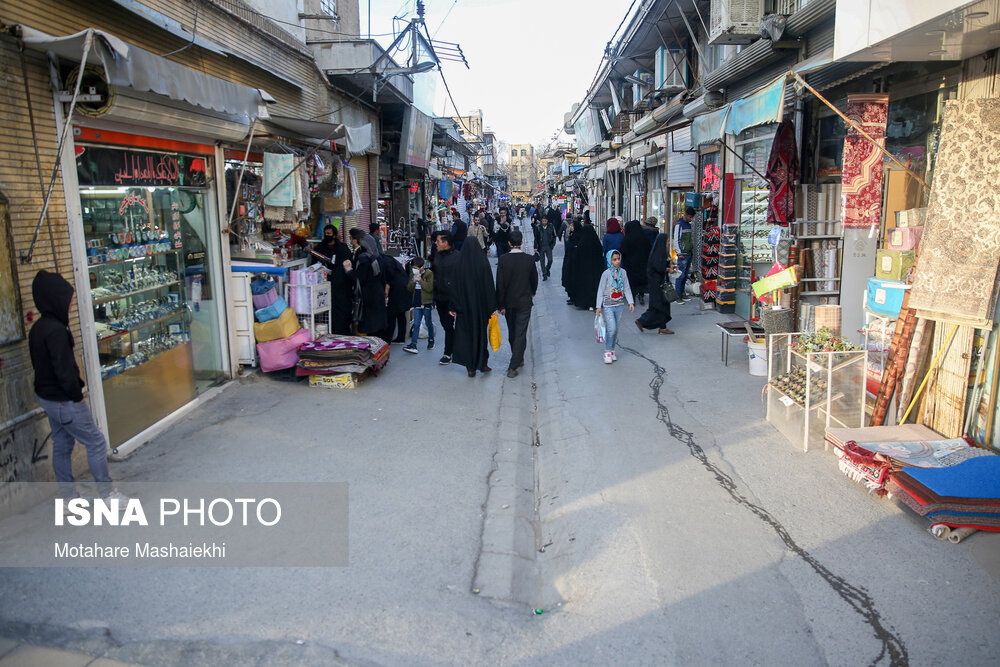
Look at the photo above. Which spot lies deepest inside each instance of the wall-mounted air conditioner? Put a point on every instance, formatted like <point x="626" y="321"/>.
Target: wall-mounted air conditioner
<point x="666" y="76"/>
<point x="735" y="21"/>
<point x="641" y="83"/>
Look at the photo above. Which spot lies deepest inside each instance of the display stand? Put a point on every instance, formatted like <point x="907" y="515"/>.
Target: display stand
<point x="246" y="346"/>
<point x="877" y="340"/>
<point x="752" y="244"/>
<point x="312" y="306"/>
<point x="809" y="392"/>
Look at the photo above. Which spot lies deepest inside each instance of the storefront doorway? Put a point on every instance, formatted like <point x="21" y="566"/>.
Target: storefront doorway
<point x="154" y="270"/>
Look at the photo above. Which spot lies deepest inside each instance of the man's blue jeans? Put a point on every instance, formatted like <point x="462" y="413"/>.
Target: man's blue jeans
<point x="684" y="265"/>
<point x="71" y="422"/>
<point x="425" y="313"/>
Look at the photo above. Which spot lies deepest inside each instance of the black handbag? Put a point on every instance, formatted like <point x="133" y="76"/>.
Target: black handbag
<point x="669" y="293"/>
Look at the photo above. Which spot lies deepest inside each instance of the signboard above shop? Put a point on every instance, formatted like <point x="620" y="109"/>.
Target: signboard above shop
<point x="99" y="165"/>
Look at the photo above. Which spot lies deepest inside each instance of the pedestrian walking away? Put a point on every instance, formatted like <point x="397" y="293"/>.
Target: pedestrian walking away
<point x="613" y="294"/>
<point x="651" y="227"/>
<point x="657" y="269"/>
<point x="459" y="230"/>
<point x="421" y="288"/>
<point x="517" y="283"/>
<point x="473" y="300"/>
<point x="613" y="237"/>
<point x="445" y="274"/>
<point x="684" y="245"/>
<point x="59" y="388"/>
<point x="635" y="253"/>
<point x="397" y="299"/>
<point x="588" y="264"/>
<point x="569" y="254"/>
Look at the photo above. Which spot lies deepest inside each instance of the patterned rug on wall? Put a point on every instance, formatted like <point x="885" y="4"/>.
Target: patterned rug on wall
<point x="861" y="175"/>
<point x="960" y="249"/>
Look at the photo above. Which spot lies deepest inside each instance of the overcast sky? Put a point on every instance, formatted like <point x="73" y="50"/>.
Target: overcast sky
<point x="530" y="59"/>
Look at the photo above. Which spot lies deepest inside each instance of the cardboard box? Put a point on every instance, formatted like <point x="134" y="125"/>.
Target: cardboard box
<point x="894" y="264"/>
<point x="904" y="238"/>
<point x="885" y="297"/>
<point x="342" y="381"/>
<point x="914" y="217"/>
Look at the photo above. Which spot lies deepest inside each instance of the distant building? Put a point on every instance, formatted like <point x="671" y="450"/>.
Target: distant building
<point x="523" y="171"/>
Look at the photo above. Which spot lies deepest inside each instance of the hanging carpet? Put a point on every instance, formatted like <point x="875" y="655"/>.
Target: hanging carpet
<point x="960" y="248"/>
<point x="861" y="174"/>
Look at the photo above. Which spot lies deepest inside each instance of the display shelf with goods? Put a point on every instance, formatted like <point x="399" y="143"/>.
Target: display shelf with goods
<point x="814" y="382"/>
<point x="725" y="300"/>
<point x="311" y="304"/>
<point x="136" y="278"/>
<point x="877" y="340"/>
<point x="753" y="251"/>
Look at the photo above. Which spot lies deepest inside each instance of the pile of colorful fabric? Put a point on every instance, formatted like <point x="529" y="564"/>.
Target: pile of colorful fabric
<point x="334" y="355"/>
<point x="872" y="455"/>
<point x="966" y="495"/>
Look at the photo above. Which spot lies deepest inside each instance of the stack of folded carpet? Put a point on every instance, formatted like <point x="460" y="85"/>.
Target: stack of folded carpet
<point x="335" y="355"/>
<point x="871" y="455"/>
<point x="966" y="495"/>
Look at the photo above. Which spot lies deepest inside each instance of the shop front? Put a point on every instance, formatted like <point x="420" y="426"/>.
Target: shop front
<point x="148" y="221"/>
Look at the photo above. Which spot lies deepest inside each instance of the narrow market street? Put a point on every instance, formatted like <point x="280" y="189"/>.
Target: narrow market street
<point x="645" y="507"/>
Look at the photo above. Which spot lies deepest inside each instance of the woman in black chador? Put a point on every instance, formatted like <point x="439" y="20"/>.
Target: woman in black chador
<point x="342" y="297"/>
<point x="635" y="253"/>
<point x="366" y="271"/>
<point x="588" y="265"/>
<point x="569" y="254"/>
<point x="473" y="300"/>
<point x="658" y="313"/>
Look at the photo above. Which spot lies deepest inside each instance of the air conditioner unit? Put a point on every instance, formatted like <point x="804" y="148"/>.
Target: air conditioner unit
<point x="667" y="77"/>
<point x="735" y="21"/>
<point x="639" y="90"/>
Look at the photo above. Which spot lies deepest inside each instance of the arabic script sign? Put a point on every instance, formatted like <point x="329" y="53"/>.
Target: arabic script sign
<point x="96" y="165"/>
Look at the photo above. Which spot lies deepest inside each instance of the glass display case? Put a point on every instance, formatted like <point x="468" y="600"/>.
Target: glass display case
<point x="809" y="390"/>
<point x="752" y="247"/>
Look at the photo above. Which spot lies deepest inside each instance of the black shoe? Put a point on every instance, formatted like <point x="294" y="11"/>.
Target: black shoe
<point x="512" y="372"/>
<point x="412" y="349"/>
<point x="472" y="374"/>
<point x="545" y="277"/>
<point x="445" y="359"/>
<point x="430" y="345"/>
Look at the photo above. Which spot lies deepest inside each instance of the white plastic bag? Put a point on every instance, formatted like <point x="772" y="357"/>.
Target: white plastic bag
<point x="599" y="328"/>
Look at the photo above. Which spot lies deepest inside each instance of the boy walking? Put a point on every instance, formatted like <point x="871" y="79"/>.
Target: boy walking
<point x="421" y="286"/>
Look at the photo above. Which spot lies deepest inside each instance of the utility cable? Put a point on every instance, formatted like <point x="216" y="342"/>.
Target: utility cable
<point x="194" y="33"/>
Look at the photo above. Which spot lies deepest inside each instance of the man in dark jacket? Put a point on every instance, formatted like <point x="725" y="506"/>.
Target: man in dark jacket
<point x="445" y="272"/>
<point x="59" y="388"/>
<point x="544" y="245"/>
<point x="517" y="282"/>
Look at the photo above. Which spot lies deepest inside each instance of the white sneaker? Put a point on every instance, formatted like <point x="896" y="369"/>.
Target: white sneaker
<point x="117" y="495"/>
<point x="608" y="357"/>
<point x="614" y="357"/>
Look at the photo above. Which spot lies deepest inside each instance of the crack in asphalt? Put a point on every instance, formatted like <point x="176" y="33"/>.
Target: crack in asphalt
<point x="857" y="598"/>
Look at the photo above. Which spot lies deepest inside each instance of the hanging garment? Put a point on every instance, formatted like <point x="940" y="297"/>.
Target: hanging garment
<point x="276" y="166"/>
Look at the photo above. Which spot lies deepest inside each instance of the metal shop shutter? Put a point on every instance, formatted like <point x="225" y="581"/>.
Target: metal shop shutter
<point x="680" y="166"/>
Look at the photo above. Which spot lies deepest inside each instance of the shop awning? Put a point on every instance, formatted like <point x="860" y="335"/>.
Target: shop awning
<point x="132" y="67"/>
<point x="358" y="139"/>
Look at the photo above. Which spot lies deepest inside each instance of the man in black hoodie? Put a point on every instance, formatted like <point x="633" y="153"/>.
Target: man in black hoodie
<point x="445" y="273"/>
<point x="59" y="387"/>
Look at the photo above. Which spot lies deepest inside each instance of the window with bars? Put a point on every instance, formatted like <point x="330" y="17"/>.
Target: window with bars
<point x="328" y="7"/>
